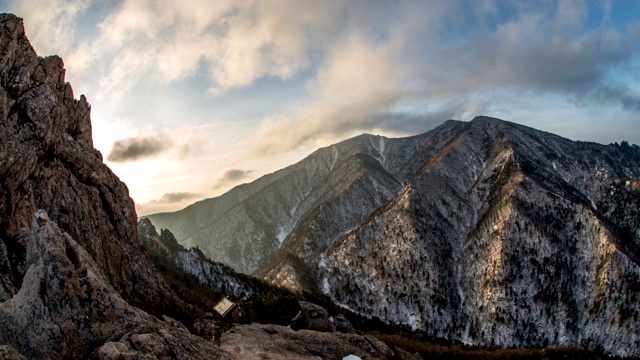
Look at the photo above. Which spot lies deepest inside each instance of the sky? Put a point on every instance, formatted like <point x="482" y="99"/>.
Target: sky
<point x="191" y="98"/>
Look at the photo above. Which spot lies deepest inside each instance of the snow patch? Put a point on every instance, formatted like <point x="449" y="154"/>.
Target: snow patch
<point x="414" y="322"/>
<point x="379" y="146"/>
<point x="334" y="153"/>
<point x="351" y="357"/>
<point x="282" y="234"/>
<point x="322" y="264"/>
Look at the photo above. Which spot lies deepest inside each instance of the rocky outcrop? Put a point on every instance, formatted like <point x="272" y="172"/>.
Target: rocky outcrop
<point x="66" y="307"/>
<point x="248" y="342"/>
<point x="170" y="342"/>
<point x="47" y="161"/>
<point x="166" y="252"/>
<point x="74" y="281"/>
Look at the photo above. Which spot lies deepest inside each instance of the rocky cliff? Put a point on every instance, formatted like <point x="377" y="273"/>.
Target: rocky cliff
<point x="487" y="232"/>
<point x="74" y="282"/>
<point x="47" y="161"/>
<point x="218" y="278"/>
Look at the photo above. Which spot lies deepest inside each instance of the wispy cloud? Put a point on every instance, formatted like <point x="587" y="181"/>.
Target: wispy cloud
<point x="230" y="177"/>
<point x="136" y="148"/>
<point x="50" y="24"/>
<point x="174" y="197"/>
<point x="167" y="202"/>
<point x="539" y="50"/>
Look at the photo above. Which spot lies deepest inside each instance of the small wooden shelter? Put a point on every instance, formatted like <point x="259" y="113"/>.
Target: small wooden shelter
<point x="224" y="307"/>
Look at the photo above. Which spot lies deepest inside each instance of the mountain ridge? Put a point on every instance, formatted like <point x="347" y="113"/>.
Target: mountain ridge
<point x="450" y="205"/>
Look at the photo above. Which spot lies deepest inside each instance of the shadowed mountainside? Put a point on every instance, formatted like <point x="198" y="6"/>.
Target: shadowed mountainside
<point x="488" y="232"/>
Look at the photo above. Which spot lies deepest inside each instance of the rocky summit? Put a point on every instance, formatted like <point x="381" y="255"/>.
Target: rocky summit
<point x="487" y="232"/>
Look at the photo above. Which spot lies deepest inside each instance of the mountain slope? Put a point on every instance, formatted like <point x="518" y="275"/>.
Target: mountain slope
<point x="488" y="232"/>
<point x="505" y="250"/>
<point x="250" y="223"/>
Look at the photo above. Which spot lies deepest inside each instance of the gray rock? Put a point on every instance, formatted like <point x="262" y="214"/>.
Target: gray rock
<point x="169" y="343"/>
<point x="248" y="342"/>
<point x="9" y="353"/>
<point x="7" y="288"/>
<point x="312" y="317"/>
<point x="66" y="305"/>
<point x="342" y="324"/>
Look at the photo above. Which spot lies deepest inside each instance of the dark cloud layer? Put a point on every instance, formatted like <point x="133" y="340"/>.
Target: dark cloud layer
<point x="175" y="197"/>
<point x="136" y="148"/>
<point x="166" y="202"/>
<point x="230" y="177"/>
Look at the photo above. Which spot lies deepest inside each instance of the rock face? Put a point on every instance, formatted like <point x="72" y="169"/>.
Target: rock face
<point x="215" y="276"/>
<point x="74" y="281"/>
<point x="486" y="232"/>
<point x="66" y="307"/>
<point x="47" y="161"/>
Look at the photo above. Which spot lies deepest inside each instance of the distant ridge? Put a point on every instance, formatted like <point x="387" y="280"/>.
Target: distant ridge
<point x="488" y="232"/>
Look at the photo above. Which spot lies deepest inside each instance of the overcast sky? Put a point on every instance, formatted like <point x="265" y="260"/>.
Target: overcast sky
<point x="190" y="98"/>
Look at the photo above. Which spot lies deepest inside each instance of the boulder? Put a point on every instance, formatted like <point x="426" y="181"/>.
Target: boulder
<point x="312" y="317"/>
<point x="341" y="324"/>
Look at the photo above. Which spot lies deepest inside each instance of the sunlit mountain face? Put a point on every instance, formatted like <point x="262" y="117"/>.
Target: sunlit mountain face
<point x="486" y="232"/>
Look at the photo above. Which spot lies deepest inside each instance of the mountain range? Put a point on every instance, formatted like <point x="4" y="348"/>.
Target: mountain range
<point x="487" y="232"/>
<point x="483" y="233"/>
<point x="76" y="280"/>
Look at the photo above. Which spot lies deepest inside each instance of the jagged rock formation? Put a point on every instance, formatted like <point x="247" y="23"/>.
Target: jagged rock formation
<point x="219" y="278"/>
<point x="487" y="232"/>
<point x="75" y="278"/>
<point x="66" y="307"/>
<point x="47" y="161"/>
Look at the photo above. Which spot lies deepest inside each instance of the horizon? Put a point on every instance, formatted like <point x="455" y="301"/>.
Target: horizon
<point x="191" y="101"/>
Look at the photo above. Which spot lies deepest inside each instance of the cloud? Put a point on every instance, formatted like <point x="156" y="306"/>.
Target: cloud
<point x="370" y="65"/>
<point x="176" y="197"/>
<point x="234" y="42"/>
<point x="136" y="148"/>
<point x="167" y="202"/>
<point x="230" y="177"/>
<point x="50" y="25"/>
<point x="536" y="51"/>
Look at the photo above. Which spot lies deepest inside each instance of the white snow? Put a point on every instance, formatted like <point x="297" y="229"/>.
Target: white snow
<point x="334" y="153"/>
<point x="282" y="234"/>
<point x="351" y="357"/>
<point x="379" y="146"/>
